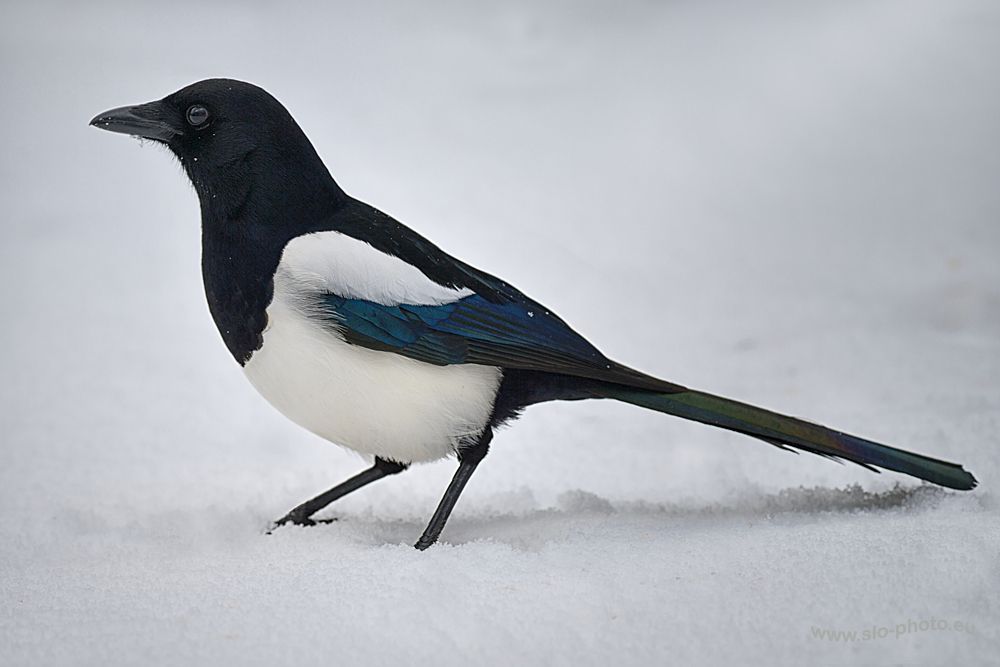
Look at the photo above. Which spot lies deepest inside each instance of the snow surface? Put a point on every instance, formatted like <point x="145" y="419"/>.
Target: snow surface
<point x="791" y="204"/>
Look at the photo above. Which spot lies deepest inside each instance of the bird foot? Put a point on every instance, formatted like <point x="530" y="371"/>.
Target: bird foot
<point x="297" y="520"/>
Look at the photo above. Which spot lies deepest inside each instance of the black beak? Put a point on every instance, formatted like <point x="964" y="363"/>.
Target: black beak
<point x="145" y="120"/>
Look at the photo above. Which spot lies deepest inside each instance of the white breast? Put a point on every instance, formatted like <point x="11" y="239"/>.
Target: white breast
<point x="370" y="401"/>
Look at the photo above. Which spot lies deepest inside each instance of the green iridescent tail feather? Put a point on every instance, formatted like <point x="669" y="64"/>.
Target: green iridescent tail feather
<point x="786" y="432"/>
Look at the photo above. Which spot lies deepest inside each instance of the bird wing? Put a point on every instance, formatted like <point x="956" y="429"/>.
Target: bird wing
<point x="434" y="309"/>
<point x="472" y="330"/>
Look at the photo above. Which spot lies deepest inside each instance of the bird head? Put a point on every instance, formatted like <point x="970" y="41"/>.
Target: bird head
<point x="235" y="142"/>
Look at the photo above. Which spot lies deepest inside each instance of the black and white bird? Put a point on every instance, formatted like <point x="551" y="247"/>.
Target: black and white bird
<point x="367" y="334"/>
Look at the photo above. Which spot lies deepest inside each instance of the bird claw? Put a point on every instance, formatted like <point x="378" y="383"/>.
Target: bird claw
<point x="296" y="520"/>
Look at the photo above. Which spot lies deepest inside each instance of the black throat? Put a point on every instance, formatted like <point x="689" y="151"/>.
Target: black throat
<point x="251" y="207"/>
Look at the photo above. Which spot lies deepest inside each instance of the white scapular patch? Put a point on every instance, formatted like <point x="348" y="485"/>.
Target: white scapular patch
<point x="367" y="400"/>
<point x="353" y="269"/>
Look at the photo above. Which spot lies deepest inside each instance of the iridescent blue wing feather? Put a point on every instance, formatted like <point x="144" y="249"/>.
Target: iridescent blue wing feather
<point x="514" y="334"/>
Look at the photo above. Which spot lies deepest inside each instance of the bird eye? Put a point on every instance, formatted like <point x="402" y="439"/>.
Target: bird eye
<point x="197" y="115"/>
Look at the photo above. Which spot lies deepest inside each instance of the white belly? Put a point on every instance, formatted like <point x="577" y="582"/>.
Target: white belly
<point x="370" y="401"/>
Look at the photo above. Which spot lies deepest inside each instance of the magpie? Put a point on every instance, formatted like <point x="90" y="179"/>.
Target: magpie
<point x="370" y="336"/>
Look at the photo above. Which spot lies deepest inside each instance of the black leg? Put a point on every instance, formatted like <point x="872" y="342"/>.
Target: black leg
<point x="300" y="515"/>
<point x="468" y="460"/>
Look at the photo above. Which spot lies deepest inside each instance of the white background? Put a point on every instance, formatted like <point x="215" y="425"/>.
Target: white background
<point x="791" y="204"/>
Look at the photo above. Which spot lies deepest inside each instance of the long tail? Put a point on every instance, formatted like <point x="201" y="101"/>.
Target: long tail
<point x="787" y="432"/>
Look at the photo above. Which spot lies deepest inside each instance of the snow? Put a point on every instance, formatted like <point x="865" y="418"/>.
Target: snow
<point x="790" y="204"/>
